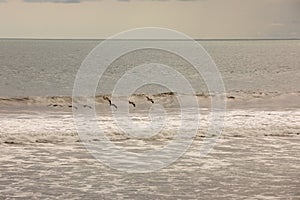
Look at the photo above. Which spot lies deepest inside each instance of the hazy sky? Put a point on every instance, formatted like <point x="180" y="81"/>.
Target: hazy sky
<point x="103" y="18"/>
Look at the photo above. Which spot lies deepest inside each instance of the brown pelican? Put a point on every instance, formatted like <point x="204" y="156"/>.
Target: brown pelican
<point x="149" y="99"/>
<point x="109" y="101"/>
<point x="132" y="103"/>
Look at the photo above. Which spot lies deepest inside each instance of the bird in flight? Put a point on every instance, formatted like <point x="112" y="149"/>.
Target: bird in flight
<point x="109" y="101"/>
<point x="149" y="99"/>
<point x="132" y="103"/>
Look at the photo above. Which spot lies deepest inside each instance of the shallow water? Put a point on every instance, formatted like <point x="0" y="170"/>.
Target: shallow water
<point x="237" y="168"/>
<point x="60" y="127"/>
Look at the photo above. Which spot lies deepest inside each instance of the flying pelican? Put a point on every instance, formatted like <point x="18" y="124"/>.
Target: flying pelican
<point x="149" y="99"/>
<point x="109" y="101"/>
<point x="132" y="103"/>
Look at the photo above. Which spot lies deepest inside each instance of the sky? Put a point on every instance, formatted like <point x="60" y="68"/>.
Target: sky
<point x="202" y="19"/>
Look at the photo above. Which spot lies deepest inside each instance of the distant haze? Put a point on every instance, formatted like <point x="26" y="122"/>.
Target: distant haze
<point x="103" y="18"/>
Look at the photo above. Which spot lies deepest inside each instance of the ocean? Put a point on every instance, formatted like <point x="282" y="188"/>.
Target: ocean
<point x="49" y="67"/>
<point x="50" y="151"/>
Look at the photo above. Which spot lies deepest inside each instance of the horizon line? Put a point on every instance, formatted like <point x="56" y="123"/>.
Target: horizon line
<point x="197" y="39"/>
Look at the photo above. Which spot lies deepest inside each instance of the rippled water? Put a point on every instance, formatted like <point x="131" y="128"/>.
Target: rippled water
<point x="257" y="155"/>
<point x="49" y="67"/>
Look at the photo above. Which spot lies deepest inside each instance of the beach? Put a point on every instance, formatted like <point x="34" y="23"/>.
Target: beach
<point x="256" y="156"/>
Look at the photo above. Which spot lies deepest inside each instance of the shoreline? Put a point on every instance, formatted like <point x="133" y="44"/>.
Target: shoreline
<point x="234" y="101"/>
